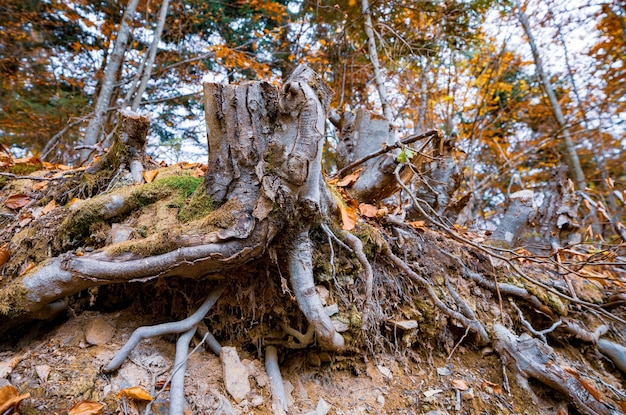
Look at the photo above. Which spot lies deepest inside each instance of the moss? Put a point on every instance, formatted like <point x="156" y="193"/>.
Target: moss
<point x="198" y="206"/>
<point x="11" y="300"/>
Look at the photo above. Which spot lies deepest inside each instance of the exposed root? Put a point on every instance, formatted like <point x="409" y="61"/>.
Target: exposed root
<point x="471" y="323"/>
<point x="304" y="340"/>
<point x="177" y="388"/>
<point x="211" y="342"/>
<point x="356" y="244"/>
<point x="530" y="358"/>
<point x="279" y="398"/>
<point x="614" y="351"/>
<point x="165" y="328"/>
<point x="299" y="259"/>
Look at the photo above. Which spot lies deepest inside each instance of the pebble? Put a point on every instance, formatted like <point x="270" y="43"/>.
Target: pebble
<point x="99" y="332"/>
<point x="235" y="374"/>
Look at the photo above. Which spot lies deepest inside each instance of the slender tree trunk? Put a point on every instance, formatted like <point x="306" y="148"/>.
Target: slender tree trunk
<point x="571" y="157"/>
<point x="154" y="47"/>
<point x="371" y="48"/>
<point x="108" y="83"/>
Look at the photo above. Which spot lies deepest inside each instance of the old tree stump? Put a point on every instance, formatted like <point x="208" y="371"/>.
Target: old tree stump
<point x="263" y="226"/>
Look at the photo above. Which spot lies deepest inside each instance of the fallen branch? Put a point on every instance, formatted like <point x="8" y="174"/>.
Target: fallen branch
<point x="528" y="358"/>
<point x="410" y="139"/>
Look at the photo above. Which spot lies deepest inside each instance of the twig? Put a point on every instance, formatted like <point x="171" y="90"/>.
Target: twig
<point x="165" y="328"/>
<point x="15" y="176"/>
<point x="410" y="139"/>
<point x="356" y="244"/>
<point x="541" y="334"/>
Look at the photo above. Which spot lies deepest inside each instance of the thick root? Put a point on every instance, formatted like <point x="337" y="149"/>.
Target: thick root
<point x="301" y="276"/>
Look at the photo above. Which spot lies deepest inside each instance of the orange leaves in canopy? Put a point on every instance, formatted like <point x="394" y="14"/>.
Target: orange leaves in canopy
<point x="231" y="59"/>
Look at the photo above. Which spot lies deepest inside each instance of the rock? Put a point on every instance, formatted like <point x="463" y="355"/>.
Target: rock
<point x="406" y="324"/>
<point x="340" y="326"/>
<point x="99" y="332"/>
<point x="322" y="407"/>
<point x="385" y="372"/>
<point x="443" y="371"/>
<point x="468" y="395"/>
<point x="43" y="371"/>
<point x="381" y="400"/>
<point x="235" y="374"/>
<point x="257" y="400"/>
<point x="121" y="233"/>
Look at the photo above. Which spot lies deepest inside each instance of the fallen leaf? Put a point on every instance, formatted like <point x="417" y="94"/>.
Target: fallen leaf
<point x="494" y="386"/>
<point x="350" y="179"/>
<point x="150" y="175"/>
<point x="623" y="405"/>
<point x="135" y="393"/>
<point x="63" y="167"/>
<point x="17" y="201"/>
<point x="73" y="201"/>
<point x="348" y="217"/>
<point x="198" y="172"/>
<point x="368" y="210"/>
<point x="432" y="392"/>
<point x="86" y="408"/>
<point x="10" y="398"/>
<point x="418" y="224"/>
<point x="5" y="254"/>
<point x="49" y="207"/>
<point x="27" y="268"/>
<point x="40" y="185"/>
<point x="460" y="384"/>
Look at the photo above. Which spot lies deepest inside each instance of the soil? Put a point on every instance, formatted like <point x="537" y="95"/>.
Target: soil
<point x="59" y="368"/>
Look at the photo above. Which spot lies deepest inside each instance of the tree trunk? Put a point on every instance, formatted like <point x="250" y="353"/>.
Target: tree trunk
<point x="94" y="129"/>
<point x="373" y="55"/>
<point x="154" y="47"/>
<point x="571" y="156"/>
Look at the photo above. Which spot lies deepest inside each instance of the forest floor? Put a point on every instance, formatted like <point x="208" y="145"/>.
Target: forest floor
<point x="60" y="368"/>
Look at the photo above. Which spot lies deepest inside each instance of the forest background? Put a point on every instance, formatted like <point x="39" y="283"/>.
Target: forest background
<point x="461" y="66"/>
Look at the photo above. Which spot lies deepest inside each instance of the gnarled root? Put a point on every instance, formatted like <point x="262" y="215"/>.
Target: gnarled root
<point x="299" y="259"/>
<point x="165" y="328"/>
<point x="531" y="358"/>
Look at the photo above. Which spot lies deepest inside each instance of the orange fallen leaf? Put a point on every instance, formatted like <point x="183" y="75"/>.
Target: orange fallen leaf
<point x="63" y="167"/>
<point x="27" y="268"/>
<point x="86" y="408"/>
<point x="368" y="210"/>
<point x="623" y="405"/>
<point x="348" y="217"/>
<point x="150" y="175"/>
<point x="418" y="224"/>
<point x="494" y="386"/>
<point x="350" y="179"/>
<point x="198" y="172"/>
<point x="5" y="254"/>
<point x="17" y="201"/>
<point x="73" y="201"/>
<point x="135" y="393"/>
<point x="460" y="384"/>
<point x="10" y="398"/>
<point x="40" y="185"/>
<point x="49" y="207"/>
